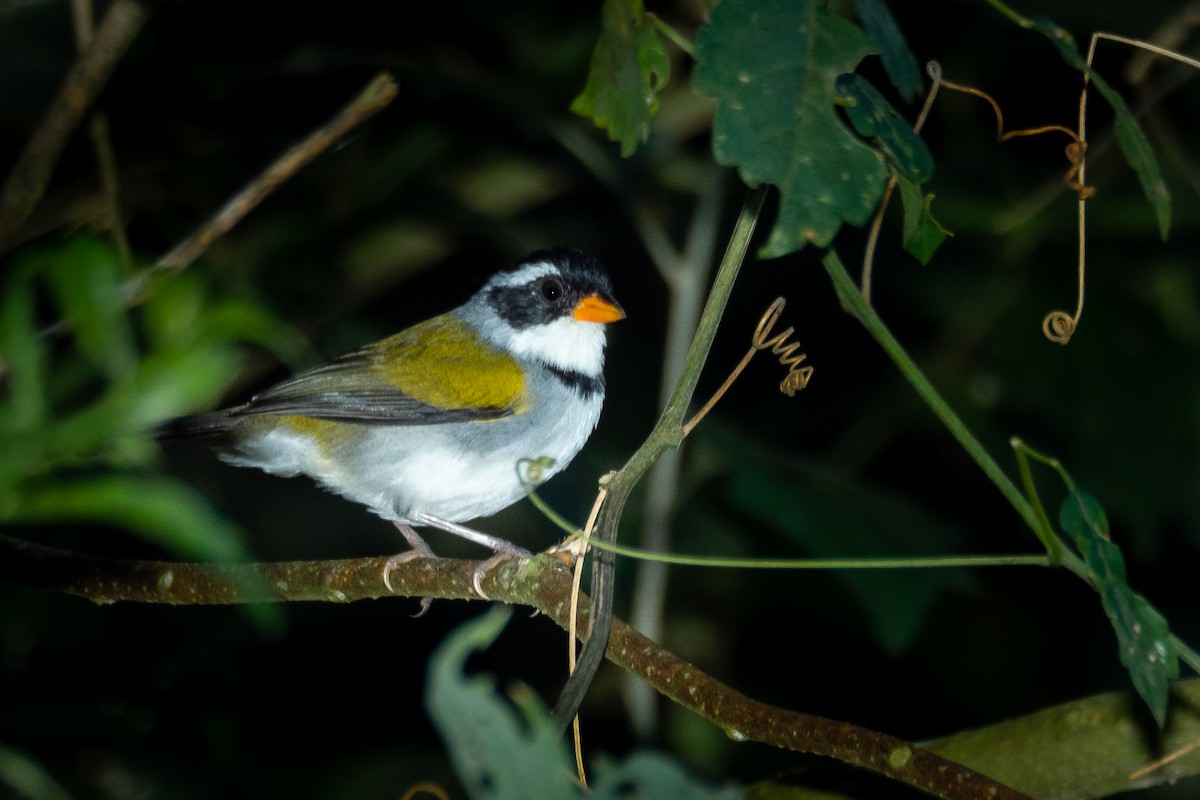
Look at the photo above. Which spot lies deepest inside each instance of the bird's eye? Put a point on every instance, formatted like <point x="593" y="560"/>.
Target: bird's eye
<point x="551" y="289"/>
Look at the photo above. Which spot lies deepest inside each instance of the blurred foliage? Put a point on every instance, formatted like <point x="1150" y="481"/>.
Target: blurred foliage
<point x="480" y="161"/>
<point x="504" y="746"/>
<point x="86" y="380"/>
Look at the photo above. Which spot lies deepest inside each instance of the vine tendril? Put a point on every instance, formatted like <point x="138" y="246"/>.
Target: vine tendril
<point x="797" y="377"/>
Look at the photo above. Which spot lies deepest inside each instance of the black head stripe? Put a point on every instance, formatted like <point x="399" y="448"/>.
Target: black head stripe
<point x="570" y="275"/>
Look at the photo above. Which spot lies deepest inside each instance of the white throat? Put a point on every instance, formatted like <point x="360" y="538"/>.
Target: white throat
<point x="567" y="344"/>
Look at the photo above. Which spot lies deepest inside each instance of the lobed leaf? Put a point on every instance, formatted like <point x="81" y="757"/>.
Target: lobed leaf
<point x="649" y="776"/>
<point x="629" y="68"/>
<point x="772" y="65"/>
<point x="496" y="753"/>
<point x="503" y="747"/>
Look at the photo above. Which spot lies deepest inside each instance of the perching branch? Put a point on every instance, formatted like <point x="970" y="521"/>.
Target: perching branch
<point x="542" y="583"/>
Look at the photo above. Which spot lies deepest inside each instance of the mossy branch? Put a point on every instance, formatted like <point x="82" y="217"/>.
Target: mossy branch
<point x="543" y="583"/>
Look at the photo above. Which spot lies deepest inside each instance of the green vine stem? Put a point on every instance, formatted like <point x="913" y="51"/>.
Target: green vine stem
<point x="667" y="433"/>
<point x="853" y="302"/>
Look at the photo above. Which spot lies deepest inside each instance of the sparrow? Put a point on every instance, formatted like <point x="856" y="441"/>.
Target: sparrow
<point x="427" y="427"/>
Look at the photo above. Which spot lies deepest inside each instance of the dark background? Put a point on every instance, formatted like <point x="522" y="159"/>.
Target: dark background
<point x="465" y="172"/>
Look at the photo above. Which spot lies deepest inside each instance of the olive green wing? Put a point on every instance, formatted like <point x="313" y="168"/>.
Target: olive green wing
<point x="435" y="372"/>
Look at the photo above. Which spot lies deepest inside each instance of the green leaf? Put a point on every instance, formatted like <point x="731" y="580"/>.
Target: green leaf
<point x="21" y="359"/>
<point x="161" y="510"/>
<point x="27" y="778"/>
<point x="1084" y="748"/>
<point x="629" y="69"/>
<point x="898" y="60"/>
<point x="164" y="385"/>
<point x="1140" y="155"/>
<point x="499" y="748"/>
<point x="771" y="65"/>
<point x="86" y="278"/>
<point x="1130" y="136"/>
<point x="172" y="310"/>
<point x="874" y="117"/>
<point x="1143" y="638"/>
<point x="247" y="321"/>
<point x="650" y="776"/>
<point x="178" y="314"/>
<point x="923" y="235"/>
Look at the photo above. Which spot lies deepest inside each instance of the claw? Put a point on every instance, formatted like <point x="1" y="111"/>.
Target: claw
<point x="504" y="549"/>
<point x="419" y="550"/>
<point x="486" y="566"/>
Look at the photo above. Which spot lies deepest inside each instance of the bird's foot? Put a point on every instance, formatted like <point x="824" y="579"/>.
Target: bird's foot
<point x="504" y="548"/>
<point x="418" y="549"/>
<point x="486" y="566"/>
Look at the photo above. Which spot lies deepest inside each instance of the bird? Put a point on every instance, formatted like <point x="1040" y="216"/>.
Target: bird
<point x="426" y="428"/>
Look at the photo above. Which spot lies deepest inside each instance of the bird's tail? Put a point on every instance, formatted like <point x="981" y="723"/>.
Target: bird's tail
<point x="207" y="424"/>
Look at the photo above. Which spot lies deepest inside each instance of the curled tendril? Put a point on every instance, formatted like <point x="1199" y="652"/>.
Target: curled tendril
<point x="1075" y="151"/>
<point x="797" y="377"/>
<point x="1058" y="326"/>
<point x="532" y="471"/>
<point x="787" y="352"/>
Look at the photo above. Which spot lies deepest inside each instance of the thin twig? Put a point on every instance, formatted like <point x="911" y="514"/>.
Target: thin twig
<point x="106" y="159"/>
<point x="377" y="94"/>
<point x="30" y="175"/>
<point x="1158" y="764"/>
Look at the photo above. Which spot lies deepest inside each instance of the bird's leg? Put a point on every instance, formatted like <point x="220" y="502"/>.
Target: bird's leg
<point x="419" y="549"/>
<point x="504" y="548"/>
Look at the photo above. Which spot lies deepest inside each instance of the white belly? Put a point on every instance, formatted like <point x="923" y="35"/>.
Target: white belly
<point x="456" y="471"/>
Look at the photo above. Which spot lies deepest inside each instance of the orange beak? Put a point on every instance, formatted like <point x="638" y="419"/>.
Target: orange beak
<point x="595" y="308"/>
